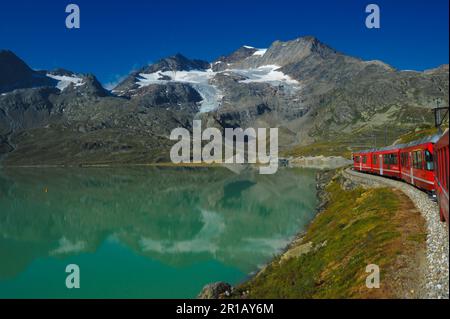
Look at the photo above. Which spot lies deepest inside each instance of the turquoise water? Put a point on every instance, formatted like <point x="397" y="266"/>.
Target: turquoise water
<point x="143" y="232"/>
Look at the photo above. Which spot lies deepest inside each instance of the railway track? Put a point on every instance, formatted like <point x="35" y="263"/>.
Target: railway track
<point x="437" y="270"/>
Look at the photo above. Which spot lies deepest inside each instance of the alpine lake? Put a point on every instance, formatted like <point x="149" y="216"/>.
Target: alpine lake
<point x="144" y="232"/>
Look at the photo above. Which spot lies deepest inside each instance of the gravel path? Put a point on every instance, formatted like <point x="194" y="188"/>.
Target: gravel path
<point x="437" y="277"/>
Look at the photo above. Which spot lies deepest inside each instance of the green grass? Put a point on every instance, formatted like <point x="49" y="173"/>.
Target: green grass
<point x="343" y="145"/>
<point x="358" y="227"/>
<point x="416" y="135"/>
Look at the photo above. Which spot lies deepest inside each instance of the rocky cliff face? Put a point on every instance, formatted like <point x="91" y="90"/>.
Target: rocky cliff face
<point x="308" y="90"/>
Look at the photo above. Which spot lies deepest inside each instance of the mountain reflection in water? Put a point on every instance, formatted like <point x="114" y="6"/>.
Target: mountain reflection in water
<point x="203" y="224"/>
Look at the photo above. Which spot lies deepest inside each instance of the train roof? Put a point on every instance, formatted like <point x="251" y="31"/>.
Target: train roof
<point x="428" y="139"/>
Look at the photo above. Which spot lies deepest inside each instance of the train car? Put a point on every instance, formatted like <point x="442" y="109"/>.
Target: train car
<point x="382" y="161"/>
<point x="441" y="176"/>
<point x="362" y="161"/>
<point x="356" y="161"/>
<point x="417" y="163"/>
<point x="423" y="163"/>
<point x="411" y="162"/>
<point x="388" y="161"/>
<point x="377" y="163"/>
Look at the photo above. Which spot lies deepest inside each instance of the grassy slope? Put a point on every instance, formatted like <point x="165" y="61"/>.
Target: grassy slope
<point x="416" y="135"/>
<point x="343" y="145"/>
<point x="58" y="146"/>
<point x="358" y="227"/>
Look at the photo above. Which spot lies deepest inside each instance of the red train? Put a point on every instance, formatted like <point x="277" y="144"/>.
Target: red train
<point x="441" y="160"/>
<point x="422" y="163"/>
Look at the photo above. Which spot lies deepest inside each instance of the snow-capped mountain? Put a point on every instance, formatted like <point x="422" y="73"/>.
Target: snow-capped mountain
<point x="16" y="74"/>
<point x="308" y="90"/>
<point x="202" y="76"/>
<point x="65" y="78"/>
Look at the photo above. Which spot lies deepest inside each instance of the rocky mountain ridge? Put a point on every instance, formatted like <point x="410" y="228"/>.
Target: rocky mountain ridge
<point x="308" y="90"/>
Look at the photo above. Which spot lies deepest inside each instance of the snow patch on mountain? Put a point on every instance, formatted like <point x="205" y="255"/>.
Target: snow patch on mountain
<point x="268" y="74"/>
<point x="260" y="52"/>
<point x="265" y="73"/>
<point x="198" y="79"/>
<point x="64" y="81"/>
<point x="194" y="76"/>
<point x="211" y="95"/>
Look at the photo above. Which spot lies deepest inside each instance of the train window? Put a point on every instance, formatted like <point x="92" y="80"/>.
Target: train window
<point x="442" y="168"/>
<point x="420" y="156"/>
<point x="428" y="161"/>
<point x="374" y="159"/>
<point x="418" y="160"/>
<point x="415" y="159"/>
<point x="446" y="166"/>
<point x="390" y="159"/>
<point x="394" y="159"/>
<point x="439" y="165"/>
<point x="404" y="159"/>
<point x="435" y="159"/>
<point x="364" y="159"/>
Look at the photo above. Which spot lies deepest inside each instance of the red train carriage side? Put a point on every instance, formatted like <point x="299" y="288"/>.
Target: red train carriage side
<point x="423" y="163"/>
<point x="362" y="161"/>
<point x="412" y="162"/>
<point x="417" y="165"/>
<point x="377" y="163"/>
<point x="357" y="165"/>
<point x="441" y="176"/>
<point x="383" y="161"/>
<point x="388" y="162"/>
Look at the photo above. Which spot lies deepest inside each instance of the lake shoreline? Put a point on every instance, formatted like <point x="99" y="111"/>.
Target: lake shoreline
<point x="212" y="290"/>
<point x="354" y="227"/>
<point x="124" y="165"/>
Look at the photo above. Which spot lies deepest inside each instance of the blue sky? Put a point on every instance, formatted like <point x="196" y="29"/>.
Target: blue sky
<point x="118" y="36"/>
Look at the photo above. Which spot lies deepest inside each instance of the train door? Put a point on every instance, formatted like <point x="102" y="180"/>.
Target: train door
<point x="374" y="163"/>
<point x="405" y="166"/>
<point x="380" y="157"/>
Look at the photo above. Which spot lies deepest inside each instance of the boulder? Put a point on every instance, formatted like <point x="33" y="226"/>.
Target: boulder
<point x="215" y="290"/>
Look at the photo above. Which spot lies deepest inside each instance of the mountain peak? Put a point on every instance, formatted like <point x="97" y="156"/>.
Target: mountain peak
<point x="177" y="62"/>
<point x="12" y="66"/>
<point x="61" y="72"/>
<point x="297" y="49"/>
<point x="16" y="74"/>
<point x="92" y="86"/>
<point x="4" y="54"/>
<point x="222" y="62"/>
<point x="280" y="53"/>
